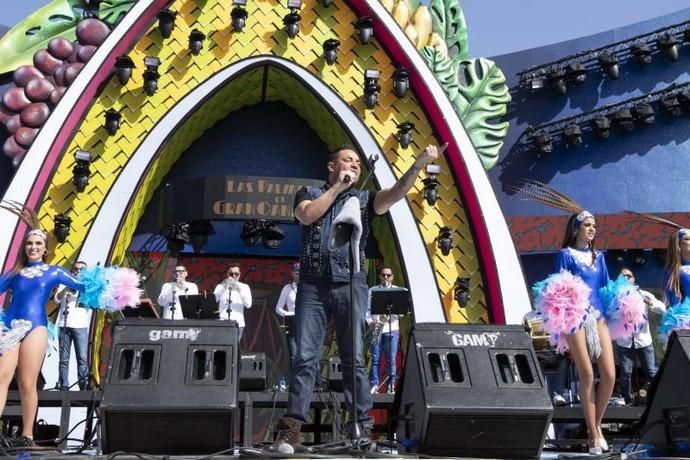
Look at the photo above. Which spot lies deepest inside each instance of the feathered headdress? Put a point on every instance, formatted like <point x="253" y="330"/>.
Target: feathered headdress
<point x="652" y="219"/>
<point x="27" y="215"/>
<point x="538" y="192"/>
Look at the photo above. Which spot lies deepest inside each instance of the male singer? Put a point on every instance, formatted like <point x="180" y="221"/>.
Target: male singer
<point x="169" y="298"/>
<point x="324" y="288"/>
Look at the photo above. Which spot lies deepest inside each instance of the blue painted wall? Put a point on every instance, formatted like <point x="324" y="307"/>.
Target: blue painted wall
<point x="645" y="170"/>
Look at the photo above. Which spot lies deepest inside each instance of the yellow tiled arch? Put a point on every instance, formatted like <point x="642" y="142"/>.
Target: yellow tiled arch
<point x="263" y="35"/>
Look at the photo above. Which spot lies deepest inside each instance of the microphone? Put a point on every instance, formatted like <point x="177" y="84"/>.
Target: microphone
<point x="347" y="179"/>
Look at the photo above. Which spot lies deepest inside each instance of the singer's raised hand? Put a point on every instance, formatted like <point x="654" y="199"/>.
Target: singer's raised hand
<point x="431" y="153"/>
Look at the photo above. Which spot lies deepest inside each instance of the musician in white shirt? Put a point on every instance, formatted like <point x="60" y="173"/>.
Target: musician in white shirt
<point x="233" y="297"/>
<point x="169" y="298"/>
<point x="73" y="323"/>
<point x="385" y="337"/>
<point x="285" y="308"/>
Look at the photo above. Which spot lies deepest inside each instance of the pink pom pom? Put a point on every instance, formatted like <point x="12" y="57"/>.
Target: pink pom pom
<point x="629" y="317"/>
<point x="125" y="285"/>
<point x="563" y="301"/>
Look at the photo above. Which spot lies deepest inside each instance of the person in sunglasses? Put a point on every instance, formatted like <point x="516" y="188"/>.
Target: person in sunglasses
<point x="233" y="297"/>
<point x="169" y="298"/>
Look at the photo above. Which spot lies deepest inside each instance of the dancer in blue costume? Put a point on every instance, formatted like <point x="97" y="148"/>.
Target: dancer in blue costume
<point x="677" y="273"/>
<point x="579" y="257"/>
<point x="24" y="337"/>
<point x="592" y="342"/>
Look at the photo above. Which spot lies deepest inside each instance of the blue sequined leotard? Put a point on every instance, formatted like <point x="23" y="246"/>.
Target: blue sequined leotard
<point x="31" y="287"/>
<point x="579" y="262"/>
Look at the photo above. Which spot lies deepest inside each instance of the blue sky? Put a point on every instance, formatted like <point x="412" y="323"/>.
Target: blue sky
<point x="503" y="26"/>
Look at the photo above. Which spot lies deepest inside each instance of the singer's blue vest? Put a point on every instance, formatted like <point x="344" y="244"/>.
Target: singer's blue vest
<point x="317" y="262"/>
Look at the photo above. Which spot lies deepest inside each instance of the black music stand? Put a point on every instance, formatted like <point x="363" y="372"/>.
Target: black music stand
<point x="199" y="306"/>
<point x="389" y="301"/>
<point x="145" y="309"/>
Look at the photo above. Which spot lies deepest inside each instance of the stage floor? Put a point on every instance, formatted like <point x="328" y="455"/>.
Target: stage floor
<point x="617" y="420"/>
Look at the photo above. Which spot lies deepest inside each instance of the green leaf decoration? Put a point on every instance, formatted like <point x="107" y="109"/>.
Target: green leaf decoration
<point x="483" y="98"/>
<point x="449" y="23"/>
<point x="59" y="17"/>
<point x="112" y="11"/>
<point x="444" y="68"/>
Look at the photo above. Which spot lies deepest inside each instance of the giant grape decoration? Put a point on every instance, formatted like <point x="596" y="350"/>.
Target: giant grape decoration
<point x="37" y="89"/>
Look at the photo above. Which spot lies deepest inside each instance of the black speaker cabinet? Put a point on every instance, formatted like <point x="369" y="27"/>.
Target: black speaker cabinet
<point x="666" y="421"/>
<point x="170" y="387"/>
<point x="258" y="372"/>
<point x="473" y="391"/>
<point x="335" y="374"/>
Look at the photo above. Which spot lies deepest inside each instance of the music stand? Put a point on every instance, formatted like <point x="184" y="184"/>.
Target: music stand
<point x="145" y="309"/>
<point x="389" y="301"/>
<point x="199" y="306"/>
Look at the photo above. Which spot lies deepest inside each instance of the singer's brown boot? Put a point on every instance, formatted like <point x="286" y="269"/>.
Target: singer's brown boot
<point x="287" y="440"/>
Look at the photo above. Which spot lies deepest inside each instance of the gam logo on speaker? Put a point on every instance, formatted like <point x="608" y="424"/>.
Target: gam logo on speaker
<point x="184" y="334"/>
<point x="485" y="339"/>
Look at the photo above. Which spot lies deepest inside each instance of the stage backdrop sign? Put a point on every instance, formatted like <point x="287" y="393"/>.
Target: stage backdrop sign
<point x="232" y="197"/>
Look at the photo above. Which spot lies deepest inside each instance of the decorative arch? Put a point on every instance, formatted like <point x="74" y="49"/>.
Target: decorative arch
<point x="483" y="249"/>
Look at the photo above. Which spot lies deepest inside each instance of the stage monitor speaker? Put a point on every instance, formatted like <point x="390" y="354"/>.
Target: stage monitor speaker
<point x="666" y="421"/>
<point x="473" y="391"/>
<point x="257" y="372"/>
<point x="334" y="374"/>
<point x="170" y="387"/>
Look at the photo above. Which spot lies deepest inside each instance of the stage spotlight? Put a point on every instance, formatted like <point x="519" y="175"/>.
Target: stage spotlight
<point x="166" y="22"/>
<point x="272" y="235"/>
<point x="576" y="73"/>
<point x="365" y="29"/>
<point x="609" y="64"/>
<point x="643" y="113"/>
<point x="61" y="227"/>
<point x="251" y="233"/>
<point x="601" y="127"/>
<point x="330" y="50"/>
<point x="91" y="9"/>
<point x="123" y="69"/>
<point x="401" y="81"/>
<point x="199" y="231"/>
<point x="431" y="183"/>
<point x="445" y="240"/>
<point x="405" y="134"/>
<point x="671" y="106"/>
<point x="557" y="81"/>
<point x="291" y="21"/>
<point x="81" y="171"/>
<point x="326" y="3"/>
<point x="371" y="87"/>
<point x="535" y="83"/>
<point x="642" y="53"/>
<point x="151" y="75"/>
<point x="112" y="121"/>
<point x="684" y="100"/>
<point x="573" y="134"/>
<point x="624" y="119"/>
<point x="461" y="291"/>
<point x="639" y="257"/>
<point x="238" y="15"/>
<point x="542" y="141"/>
<point x="668" y="45"/>
<point x="196" y="41"/>
<point x="176" y="235"/>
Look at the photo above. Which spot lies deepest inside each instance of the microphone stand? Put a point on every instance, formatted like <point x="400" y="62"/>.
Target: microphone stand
<point x="172" y="302"/>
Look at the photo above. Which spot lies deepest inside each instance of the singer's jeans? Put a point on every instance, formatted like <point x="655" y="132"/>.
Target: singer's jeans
<point x="389" y="346"/>
<point x="78" y="336"/>
<point x="316" y="302"/>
